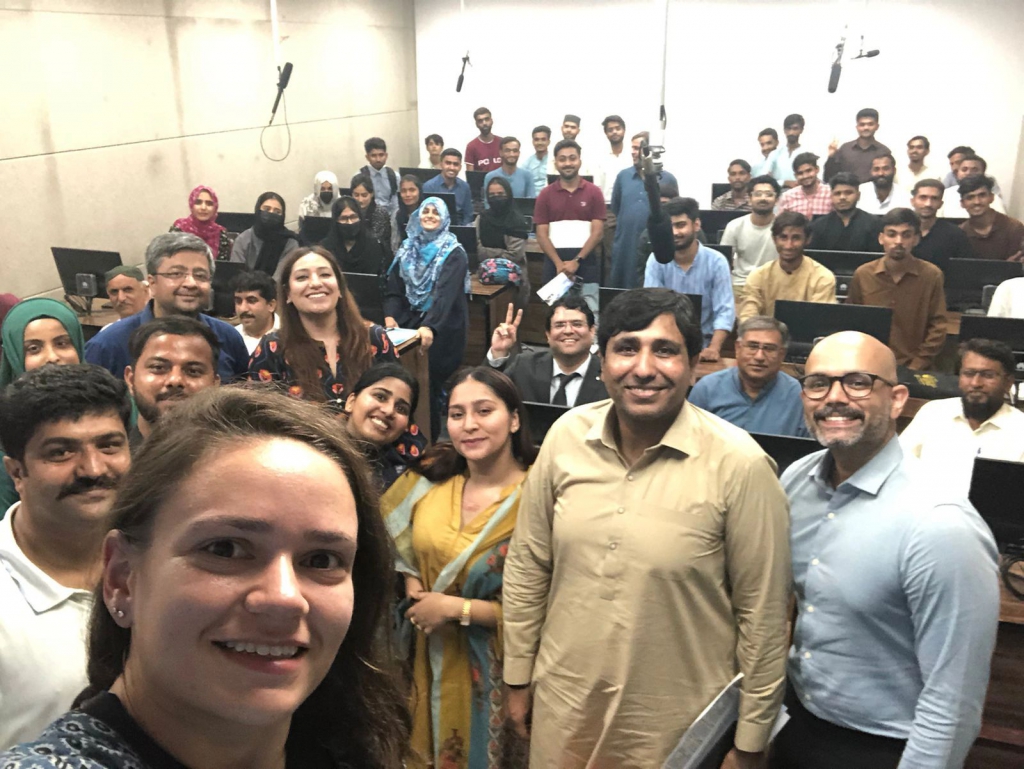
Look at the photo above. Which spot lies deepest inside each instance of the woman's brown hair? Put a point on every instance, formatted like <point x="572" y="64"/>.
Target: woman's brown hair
<point x="358" y="712"/>
<point x="301" y="352"/>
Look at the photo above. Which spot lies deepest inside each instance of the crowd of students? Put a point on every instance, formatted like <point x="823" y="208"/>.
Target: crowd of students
<point x="234" y="546"/>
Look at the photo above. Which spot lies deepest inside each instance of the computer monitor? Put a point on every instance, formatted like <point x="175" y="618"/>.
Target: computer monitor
<point x="235" y="222"/>
<point x="314" y="229"/>
<point x="467" y="239"/>
<point x="786" y="449"/>
<point x="719" y="188"/>
<point x="552" y="178"/>
<point x="525" y="206"/>
<point x="726" y="251"/>
<point x="365" y="289"/>
<point x="842" y="264"/>
<point x="966" y="280"/>
<point x="713" y="222"/>
<point x="475" y="179"/>
<point x="540" y="417"/>
<point x="223" y="295"/>
<point x="606" y="294"/>
<point x="1008" y="330"/>
<point x="995" y="494"/>
<point x="423" y="174"/>
<point x="72" y="262"/>
<point x="449" y="200"/>
<point x="808" y="321"/>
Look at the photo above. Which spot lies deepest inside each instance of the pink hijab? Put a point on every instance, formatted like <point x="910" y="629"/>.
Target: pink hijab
<point x="209" y="231"/>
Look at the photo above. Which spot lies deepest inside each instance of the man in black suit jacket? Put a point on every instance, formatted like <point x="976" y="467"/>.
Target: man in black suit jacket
<point x="567" y="373"/>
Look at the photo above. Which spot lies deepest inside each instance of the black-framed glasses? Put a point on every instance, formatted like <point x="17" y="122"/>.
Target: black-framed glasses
<point x="177" y="276"/>
<point x="857" y="384"/>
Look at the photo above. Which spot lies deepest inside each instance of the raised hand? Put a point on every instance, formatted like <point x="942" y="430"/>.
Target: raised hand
<point x="504" y="337"/>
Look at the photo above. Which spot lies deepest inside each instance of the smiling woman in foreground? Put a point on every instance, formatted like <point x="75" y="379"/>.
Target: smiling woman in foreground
<point x="226" y="630"/>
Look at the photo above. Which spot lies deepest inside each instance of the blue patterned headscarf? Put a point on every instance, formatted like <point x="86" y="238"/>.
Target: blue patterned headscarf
<point x="422" y="255"/>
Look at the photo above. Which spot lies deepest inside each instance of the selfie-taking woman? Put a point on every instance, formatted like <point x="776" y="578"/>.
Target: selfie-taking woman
<point x="376" y="218"/>
<point x="323" y="343"/>
<point x="452" y="519"/>
<point x="501" y="233"/>
<point x="202" y="221"/>
<point x="426" y="290"/>
<point x="262" y="246"/>
<point x="379" y="411"/>
<point x="35" y="332"/>
<point x="410" y="195"/>
<point x="225" y="633"/>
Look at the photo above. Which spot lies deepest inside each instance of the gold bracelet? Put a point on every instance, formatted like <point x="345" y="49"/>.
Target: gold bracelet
<point x="467" y="605"/>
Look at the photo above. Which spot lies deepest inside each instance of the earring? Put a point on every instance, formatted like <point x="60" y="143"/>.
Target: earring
<point x="119" y="613"/>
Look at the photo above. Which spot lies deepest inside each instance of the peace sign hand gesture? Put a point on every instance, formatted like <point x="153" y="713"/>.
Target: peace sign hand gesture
<point x="504" y="337"/>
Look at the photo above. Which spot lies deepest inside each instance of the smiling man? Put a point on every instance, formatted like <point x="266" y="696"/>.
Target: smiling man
<point x="649" y="563"/>
<point x="567" y="373"/>
<point x="64" y="429"/>
<point x="180" y="269"/>
<point x="172" y="360"/>
<point x="896" y="583"/>
<point x="810" y="196"/>
<point x="255" y="306"/>
<point x="127" y="289"/>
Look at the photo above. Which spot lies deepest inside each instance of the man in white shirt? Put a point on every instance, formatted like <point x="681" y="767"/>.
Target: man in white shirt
<point x="1008" y="300"/>
<point x="255" y="306"/>
<point x="882" y="194"/>
<point x="970" y="165"/>
<point x="751" y="236"/>
<point x="608" y="167"/>
<point x="65" y="431"/>
<point x="909" y="175"/>
<point x="949" y="433"/>
<point x="567" y="373"/>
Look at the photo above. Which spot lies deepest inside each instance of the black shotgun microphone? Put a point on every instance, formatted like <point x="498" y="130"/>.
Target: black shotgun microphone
<point x="282" y="82"/>
<point x="868" y="54"/>
<point x="833" y="79"/>
<point x="462" y="75"/>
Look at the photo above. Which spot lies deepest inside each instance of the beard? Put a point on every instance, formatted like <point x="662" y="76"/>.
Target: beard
<point x="981" y="410"/>
<point x="872" y="430"/>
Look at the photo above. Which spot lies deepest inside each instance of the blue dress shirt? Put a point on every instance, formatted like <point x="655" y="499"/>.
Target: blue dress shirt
<point x="521" y="182"/>
<point x="538" y="169"/>
<point x="463" y="213"/>
<point x="898" y="597"/>
<point x="708" y="276"/>
<point x="777" y="410"/>
<point x="109" y="348"/>
<point x="631" y="209"/>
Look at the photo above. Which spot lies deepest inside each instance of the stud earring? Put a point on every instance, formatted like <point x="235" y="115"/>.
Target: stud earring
<point x="119" y="613"/>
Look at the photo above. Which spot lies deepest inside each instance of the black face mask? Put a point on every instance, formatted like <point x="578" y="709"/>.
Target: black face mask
<point x="500" y="205"/>
<point x="326" y="196"/>
<point x="270" y="220"/>
<point x="349" y="231"/>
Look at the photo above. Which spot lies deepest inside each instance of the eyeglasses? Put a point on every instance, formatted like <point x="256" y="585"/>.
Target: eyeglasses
<point x="857" y="384"/>
<point x="177" y="276"/>
<point x="575" y="325"/>
<point x="987" y="375"/>
<point x="768" y="349"/>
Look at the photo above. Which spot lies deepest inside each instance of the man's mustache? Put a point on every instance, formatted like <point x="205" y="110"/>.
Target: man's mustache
<point x="83" y="485"/>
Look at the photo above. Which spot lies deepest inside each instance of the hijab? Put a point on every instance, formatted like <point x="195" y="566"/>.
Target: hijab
<point x="13" y="332"/>
<point x="497" y="221"/>
<point x="273" y="234"/>
<point x="335" y="240"/>
<point x="320" y="178"/>
<point x="422" y="255"/>
<point x="209" y="231"/>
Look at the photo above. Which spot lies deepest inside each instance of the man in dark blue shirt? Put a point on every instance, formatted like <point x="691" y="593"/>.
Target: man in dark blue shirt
<point x="180" y="269"/>
<point x="448" y="181"/>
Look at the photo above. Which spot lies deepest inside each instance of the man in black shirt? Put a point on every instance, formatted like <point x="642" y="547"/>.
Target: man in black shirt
<point x="847" y="228"/>
<point x="941" y="240"/>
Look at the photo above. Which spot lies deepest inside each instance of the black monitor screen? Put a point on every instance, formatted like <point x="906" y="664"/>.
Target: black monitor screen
<point x="809" y="320"/>
<point x="996" y="494"/>
<point x="966" y="279"/>
<point x="72" y="262"/>
<point x="423" y="174"/>
<point x="540" y="417"/>
<point x="786" y="449"/>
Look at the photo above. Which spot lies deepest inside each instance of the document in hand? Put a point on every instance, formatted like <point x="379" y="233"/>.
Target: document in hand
<point x="705" y="744"/>
<point x="401" y="335"/>
<point x="555" y="288"/>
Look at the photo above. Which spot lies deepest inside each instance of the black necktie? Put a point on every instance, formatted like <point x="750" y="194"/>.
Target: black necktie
<point x="563" y="382"/>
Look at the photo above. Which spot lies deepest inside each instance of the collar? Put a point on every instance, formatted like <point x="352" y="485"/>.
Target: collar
<point x="914" y="266"/>
<point x="856" y="145"/>
<point x="738" y="384"/>
<point x="998" y="420"/>
<point x="38" y="588"/>
<point x="684" y="435"/>
<point x="582" y="370"/>
<point x="997" y="225"/>
<point x="870" y="478"/>
<point x="559" y="188"/>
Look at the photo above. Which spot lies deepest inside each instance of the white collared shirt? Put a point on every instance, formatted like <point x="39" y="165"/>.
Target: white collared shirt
<point x="1008" y="300"/>
<point x="252" y="341"/>
<point x="608" y="168"/>
<point x="941" y="436"/>
<point x="43" y="627"/>
<point x="906" y="178"/>
<point x="572" y="389"/>
<point x="869" y="203"/>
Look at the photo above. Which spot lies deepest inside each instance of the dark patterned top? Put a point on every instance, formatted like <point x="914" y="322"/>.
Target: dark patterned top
<point x="268" y="364"/>
<point x="102" y="735"/>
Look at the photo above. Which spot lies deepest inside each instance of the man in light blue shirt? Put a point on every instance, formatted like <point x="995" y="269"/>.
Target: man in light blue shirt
<point x="754" y="394"/>
<point x="519" y="179"/>
<point x="385" y="183"/>
<point x="537" y="164"/>
<point x="448" y="181"/>
<point x="768" y="163"/>
<point x="696" y="269"/>
<point x="896" y="584"/>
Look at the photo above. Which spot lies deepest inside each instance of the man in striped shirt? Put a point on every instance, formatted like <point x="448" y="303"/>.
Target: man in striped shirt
<point x="811" y="196"/>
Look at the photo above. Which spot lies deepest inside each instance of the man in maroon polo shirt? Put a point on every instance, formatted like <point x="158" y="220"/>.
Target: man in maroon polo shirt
<point x="574" y="199"/>
<point x="484" y="152"/>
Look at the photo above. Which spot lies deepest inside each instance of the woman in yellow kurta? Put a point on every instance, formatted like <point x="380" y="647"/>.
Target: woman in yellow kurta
<point x="452" y="520"/>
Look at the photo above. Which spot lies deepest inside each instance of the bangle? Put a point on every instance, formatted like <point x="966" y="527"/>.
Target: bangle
<point x="467" y="605"/>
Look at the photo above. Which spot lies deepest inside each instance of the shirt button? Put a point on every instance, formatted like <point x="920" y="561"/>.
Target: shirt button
<point x="814" y="562"/>
<point x="807" y="655"/>
<point x="621" y="510"/>
<point x="831" y="516"/>
<point x="629" y="477"/>
<point x="810" y="609"/>
<point x="613" y="545"/>
<point x="808" y="697"/>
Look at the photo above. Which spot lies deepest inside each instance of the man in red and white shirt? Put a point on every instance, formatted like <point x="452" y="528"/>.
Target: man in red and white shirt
<point x="484" y="152"/>
<point x="811" y="196"/>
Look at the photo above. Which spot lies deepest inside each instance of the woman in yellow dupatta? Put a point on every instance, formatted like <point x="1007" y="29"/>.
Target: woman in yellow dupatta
<point x="452" y="520"/>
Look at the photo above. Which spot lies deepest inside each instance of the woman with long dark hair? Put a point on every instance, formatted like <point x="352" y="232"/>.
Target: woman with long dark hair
<point x="452" y="519"/>
<point x="410" y="195"/>
<point x="323" y="342"/>
<point x="379" y="416"/>
<point x="377" y="219"/>
<point x="262" y="246"/>
<point x="238" y="622"/>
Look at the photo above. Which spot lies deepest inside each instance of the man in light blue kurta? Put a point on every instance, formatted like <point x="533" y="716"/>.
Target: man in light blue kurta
<point x="896" y="583"/>
<point x="520" y="181"/>
<point x="630" y="206"/>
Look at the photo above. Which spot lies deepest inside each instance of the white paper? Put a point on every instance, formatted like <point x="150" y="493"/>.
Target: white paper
<point x="780" y="721"/>
<point x="400" y="336"/>
<point x="708" y="729"/>
<point x="555" y="288"/>
<point x="569" y="233"/>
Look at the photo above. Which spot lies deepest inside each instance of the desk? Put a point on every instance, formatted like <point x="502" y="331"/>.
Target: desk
<point x="414" y="360"/>
<point x="487" y="308"/>
<point x="94" y="321"/>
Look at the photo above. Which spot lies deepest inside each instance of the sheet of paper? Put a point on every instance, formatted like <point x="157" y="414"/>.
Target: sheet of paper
<point x="708" y="730"/>
<point x="569" y="233"/>
<point x="401" y="335"/>
<point x="555" y="288"/>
